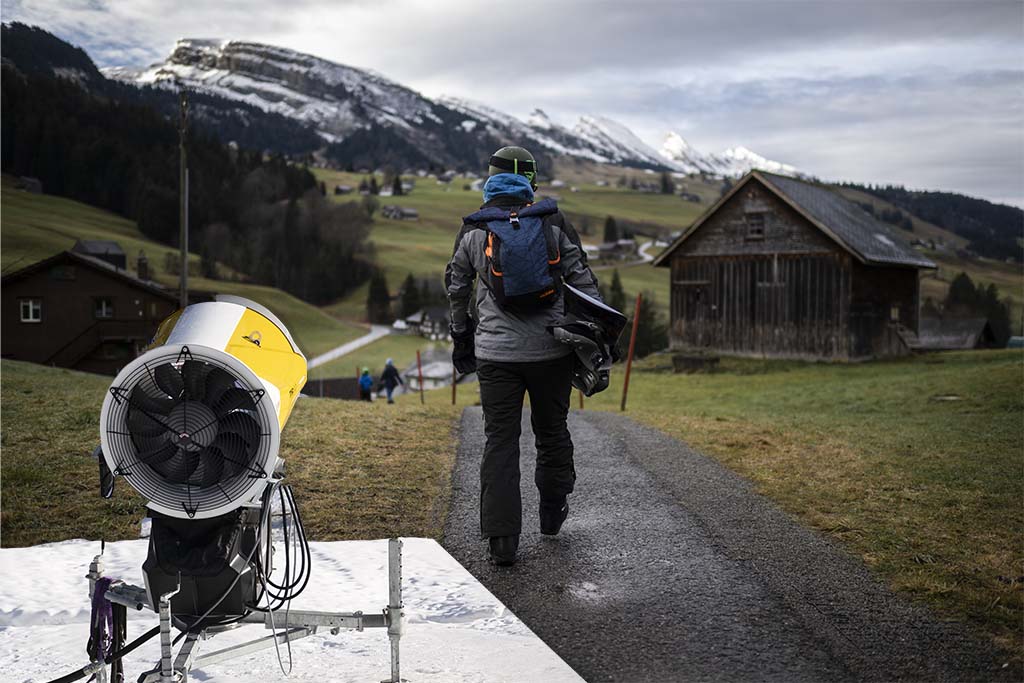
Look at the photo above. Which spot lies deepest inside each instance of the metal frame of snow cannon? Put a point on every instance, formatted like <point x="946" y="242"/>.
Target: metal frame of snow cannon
<point x="300" y="623"/>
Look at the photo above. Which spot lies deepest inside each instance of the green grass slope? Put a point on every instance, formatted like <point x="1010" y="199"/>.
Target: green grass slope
<point x="34" y="227"/>
<point x="348" y="486"/>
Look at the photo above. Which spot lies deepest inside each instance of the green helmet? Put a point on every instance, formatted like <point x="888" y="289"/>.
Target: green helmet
<point x="514" y="160"/>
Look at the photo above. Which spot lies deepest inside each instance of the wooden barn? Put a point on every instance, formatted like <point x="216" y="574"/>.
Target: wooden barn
<point x="782" y="267"/>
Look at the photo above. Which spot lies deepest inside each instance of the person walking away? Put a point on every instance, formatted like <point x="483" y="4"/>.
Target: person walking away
<point x="390" y="378"/>
<point x="365" y="385"/>
<point x="519" y="252"/>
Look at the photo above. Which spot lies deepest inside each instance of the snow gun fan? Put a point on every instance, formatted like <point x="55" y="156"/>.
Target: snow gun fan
<point x="194" y="426"/>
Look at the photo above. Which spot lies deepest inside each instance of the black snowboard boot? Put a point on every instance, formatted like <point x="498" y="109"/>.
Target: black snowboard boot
<point x="503" y="550"/>
<point x="552" y="513"/>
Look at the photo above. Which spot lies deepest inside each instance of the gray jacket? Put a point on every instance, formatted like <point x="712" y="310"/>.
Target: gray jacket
<point x="503" y="335"/>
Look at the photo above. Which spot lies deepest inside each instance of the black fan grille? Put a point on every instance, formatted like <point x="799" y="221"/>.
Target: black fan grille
<point x="187" y="432"/>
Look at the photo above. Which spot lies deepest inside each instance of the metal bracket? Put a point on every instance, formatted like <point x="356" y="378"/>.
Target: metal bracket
<point x="301" y="623"/>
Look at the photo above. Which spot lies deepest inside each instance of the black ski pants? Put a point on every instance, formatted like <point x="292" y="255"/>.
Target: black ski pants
<point x="502" y="386"/>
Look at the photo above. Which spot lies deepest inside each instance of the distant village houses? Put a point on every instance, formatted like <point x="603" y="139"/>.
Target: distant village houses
<point x="399" y="213"/>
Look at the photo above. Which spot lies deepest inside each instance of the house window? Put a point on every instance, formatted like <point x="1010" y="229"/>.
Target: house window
<point x="31" y="310"/>
<point x="62" y="273"/>
<point x="755" y="226"/>
<point x="104" y="307"/>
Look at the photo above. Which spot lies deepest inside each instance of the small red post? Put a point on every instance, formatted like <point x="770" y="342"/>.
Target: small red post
<point x="454" y="377"/>
<point x="632" y="347"/>
<point x="419" y="370"/>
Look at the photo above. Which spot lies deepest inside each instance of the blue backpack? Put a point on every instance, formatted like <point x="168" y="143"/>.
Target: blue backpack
<point x="523" y="259"/>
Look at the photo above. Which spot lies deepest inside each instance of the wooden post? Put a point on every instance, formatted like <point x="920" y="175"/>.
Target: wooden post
<point x="632" y="348"/>
<point x="183" y="201"/>
<point x="419" y="371"/>
<point x="453" y="384"/>
<point x="581" y="400"/>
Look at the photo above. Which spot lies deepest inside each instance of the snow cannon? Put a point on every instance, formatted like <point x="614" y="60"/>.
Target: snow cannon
<point x="194" y="424"/>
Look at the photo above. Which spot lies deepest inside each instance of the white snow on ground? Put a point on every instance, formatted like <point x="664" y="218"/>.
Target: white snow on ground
<point x="456" y="630"/>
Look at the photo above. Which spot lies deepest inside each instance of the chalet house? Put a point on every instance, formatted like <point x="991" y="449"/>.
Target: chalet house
<point x="431" y="323"/>
<point x="76" y="311"/>
<point x="789" y="268"/>
<point x="618" y="250"/>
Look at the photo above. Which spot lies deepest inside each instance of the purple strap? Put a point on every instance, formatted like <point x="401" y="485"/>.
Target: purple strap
<point x="102" y="621"/>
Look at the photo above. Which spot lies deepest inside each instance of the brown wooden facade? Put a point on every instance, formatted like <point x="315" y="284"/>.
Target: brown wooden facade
<point x="756" y="276"/>
<point x="78" y="312"/>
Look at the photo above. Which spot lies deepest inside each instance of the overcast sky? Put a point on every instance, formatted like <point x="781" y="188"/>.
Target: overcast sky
<point x="927" y="93"/>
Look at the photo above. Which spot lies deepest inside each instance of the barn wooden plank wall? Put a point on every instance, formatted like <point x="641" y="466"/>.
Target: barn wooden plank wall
<point x="779" y="305"/>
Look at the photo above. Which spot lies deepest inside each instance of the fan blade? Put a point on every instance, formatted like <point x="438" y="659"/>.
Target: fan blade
<point x="218" y="382"/>
<point x="194" y="373"/>
<point x="211" y="468"/>
<point x="142" y="425"/>
<point x="157" y="454"/>
<point x="156" y="405"/>
<point x="168" y="379"/>
<point x="234" y="399"/>
<point x="243" y="425"/>
<point x="238" y="455"/>
<point x="179" y="468"/>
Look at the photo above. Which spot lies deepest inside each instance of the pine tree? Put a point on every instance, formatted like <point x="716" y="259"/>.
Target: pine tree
<point x="667" y="186"/>
<point x="378" y="300"/>
<point x="374" y="187"/>
<point x="617" y="295"/>
<point x="411" y="299"/>
<point x="962" y="297"/>
<point x="396" y="186"/>
<point x="611" y="230"/>
<point x="651" y="333"/>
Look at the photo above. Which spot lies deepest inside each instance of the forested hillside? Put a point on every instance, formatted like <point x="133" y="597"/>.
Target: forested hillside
<point x="259" y="214"/>
<point x="993" y="230"/>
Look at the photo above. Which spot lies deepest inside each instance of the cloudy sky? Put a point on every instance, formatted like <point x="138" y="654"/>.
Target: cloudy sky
<point x="925" y="93"/>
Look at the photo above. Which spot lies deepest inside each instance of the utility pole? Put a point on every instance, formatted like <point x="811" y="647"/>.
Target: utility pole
<point x="183" y="196"/>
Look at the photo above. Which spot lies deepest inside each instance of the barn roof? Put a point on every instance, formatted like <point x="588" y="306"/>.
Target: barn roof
<point x="939" y="334"/>
<point x="867" y="238"/>
<point x="95" y="263"/>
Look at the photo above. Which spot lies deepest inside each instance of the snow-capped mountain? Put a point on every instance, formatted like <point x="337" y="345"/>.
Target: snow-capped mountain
<point x="735" y="161"/>
<point x="368" y="120"/>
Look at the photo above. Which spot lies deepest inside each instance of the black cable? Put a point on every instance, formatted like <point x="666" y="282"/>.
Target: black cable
<point x="84" y="671"/>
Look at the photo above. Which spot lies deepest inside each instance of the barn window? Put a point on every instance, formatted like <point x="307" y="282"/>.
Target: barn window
<point x="104" y="307"/>
<point x="755" y="226"/>
<point x="31" y="310"/>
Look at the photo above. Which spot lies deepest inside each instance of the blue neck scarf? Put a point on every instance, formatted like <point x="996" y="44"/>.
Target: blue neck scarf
<point x="509" y="184"/>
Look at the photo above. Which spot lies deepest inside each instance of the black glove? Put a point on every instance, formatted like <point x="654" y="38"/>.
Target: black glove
<point x="464" y="353"/>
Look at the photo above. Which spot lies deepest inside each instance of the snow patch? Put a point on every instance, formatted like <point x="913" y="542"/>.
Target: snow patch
<point x="456" y="630"/>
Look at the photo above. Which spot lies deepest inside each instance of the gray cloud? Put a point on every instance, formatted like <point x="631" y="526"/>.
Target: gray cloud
<point x="928" y="94"/>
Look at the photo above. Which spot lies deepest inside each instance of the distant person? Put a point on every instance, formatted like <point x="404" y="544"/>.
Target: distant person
<point x="390" y="378"/>
<point x="366" y="385"/>
<point x="521" y="252"/>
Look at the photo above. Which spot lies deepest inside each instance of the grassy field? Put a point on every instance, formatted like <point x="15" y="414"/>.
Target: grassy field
<point x="927" y="489"/>
<point x="37" y="226"/>
<point x="359" y="470"/>
<point x="423" y="247"/>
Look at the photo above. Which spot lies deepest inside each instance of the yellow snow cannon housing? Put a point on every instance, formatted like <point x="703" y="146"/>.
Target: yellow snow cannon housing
<point x="194" y="423"/>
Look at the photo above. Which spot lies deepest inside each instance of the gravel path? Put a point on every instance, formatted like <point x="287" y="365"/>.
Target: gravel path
<point x="671" y="568"/>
